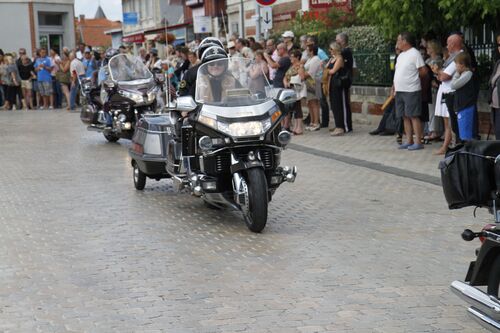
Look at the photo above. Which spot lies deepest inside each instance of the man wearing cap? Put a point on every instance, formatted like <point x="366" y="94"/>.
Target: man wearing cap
<point x="89" y="63"/>
<point x="288" y="37"/>
<point x="231" y="47"/>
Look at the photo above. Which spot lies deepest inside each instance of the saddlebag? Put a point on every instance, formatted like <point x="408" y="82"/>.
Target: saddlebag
<point x="468" y="174"/>
<point x="149" y="144"/>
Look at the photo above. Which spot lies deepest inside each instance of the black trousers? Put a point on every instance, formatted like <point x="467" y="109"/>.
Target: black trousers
<point x="496" y="122"/>
<point x="325" y="110"/>
<point x="339" y="100"/>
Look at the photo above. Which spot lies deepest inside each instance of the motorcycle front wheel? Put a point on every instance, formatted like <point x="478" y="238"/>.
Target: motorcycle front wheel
<point x="256" y="218"/>
<point x="111" y="137"/>
<point x="494" y="280"/>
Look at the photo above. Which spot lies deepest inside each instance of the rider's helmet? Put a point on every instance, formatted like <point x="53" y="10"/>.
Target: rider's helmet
<point x="213" y="53"/>
<point x="214" y="56"/>
<point x="110" y="53"/>
<point x="206" y="43"/>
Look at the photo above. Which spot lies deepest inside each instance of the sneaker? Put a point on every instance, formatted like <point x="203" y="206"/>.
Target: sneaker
<point x="41" y="107"/>
<point x="51" y="108"/>
<point x="405" y="145"/>
<point x="416" y="146"/>
<point x="14" y="108"/>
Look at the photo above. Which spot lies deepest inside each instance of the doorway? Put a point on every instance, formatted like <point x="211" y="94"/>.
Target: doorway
<point x="51" y="41"/>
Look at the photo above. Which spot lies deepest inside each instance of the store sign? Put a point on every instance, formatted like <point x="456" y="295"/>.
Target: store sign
<point x="284" y="16"/>
<point x="130" y="18"/>
<point x="202" y="24"/>
<point x="137" y="38"/>
<point x="328" y="3"/>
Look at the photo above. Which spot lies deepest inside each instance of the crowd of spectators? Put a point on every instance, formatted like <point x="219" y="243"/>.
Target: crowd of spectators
<point x="434" y="93"/>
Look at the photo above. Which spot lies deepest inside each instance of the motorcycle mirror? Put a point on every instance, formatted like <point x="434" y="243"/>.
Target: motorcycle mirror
<point x="287" y="96"/>
<point x="109" y="84"/>
<point x="185" y="104"/>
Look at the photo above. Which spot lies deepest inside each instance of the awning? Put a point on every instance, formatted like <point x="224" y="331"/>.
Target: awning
<point x="136" y="38"/>
<point x="150" y="36"/>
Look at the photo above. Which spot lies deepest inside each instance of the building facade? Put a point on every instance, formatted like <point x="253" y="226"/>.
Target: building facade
<point x="154" y="17"/>
<point x="32" y="24"/>
<point x="242" y="14"/>
<point x="93" y="31"/>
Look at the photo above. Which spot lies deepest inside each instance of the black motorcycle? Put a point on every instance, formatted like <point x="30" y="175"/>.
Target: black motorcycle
<point x="471" y="177"/>
<point x="223" y="146"/>
<point x="127" y="90"/>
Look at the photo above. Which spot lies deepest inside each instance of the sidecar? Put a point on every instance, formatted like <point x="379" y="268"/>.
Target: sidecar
<point x="149" y="147"/>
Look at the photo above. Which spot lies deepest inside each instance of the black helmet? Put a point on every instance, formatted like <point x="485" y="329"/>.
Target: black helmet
<point x="213" y="53"/>
<point x="110" y="53"/>
<point x="206" y="43"/>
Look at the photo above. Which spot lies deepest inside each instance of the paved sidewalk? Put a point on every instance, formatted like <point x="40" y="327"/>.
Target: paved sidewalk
<point x="379" y="149"/>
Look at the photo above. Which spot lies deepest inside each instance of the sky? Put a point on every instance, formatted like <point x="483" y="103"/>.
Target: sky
<point x="112" y="8"/>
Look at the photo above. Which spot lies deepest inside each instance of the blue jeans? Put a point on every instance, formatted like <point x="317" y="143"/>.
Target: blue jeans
<point x="466" y="123"/>
<point x="56" y="87"/>
<point x="73" y="92"/>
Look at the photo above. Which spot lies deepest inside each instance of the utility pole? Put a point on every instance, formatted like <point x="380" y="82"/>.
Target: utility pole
<point x="257" y="21"/>
<point x="242" y="19"/>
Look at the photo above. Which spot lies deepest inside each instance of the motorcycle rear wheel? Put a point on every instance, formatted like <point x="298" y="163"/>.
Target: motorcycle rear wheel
<point x="139" y="178"/>
<point x="256" y="218"/>
<point x="111" y="137"/>
<point x="494" y="280"/>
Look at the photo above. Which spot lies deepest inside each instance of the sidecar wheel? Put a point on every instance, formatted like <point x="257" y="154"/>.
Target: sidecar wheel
<point x="494" y="280"/>
<point x="139" y="178"/>
<point x="256" y="218"/>
<point x="111" y="137"/>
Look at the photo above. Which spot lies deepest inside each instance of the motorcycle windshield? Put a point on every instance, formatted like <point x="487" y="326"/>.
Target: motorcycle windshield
<point x="124" y="68"/>
<point x="232" y="82"/>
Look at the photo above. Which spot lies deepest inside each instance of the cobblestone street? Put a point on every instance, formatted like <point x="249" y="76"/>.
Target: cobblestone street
<point x="349" y="247"/>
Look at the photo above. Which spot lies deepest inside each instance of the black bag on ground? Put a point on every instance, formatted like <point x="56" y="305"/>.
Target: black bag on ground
<point x="468" y="174"/>
<point x="392" y="122"/>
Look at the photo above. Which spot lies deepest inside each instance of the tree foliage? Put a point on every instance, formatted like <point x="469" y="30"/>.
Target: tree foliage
<point x="421" y="16"/>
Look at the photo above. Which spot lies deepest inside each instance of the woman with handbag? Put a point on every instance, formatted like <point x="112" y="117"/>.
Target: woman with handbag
<point x="312" y="68"/>
<point x="293" y="79"/>
<point x="337" y="93"/>
<point x="63" y="76"/>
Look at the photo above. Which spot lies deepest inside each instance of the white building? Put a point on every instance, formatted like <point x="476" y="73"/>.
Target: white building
<point x="153" y="15"/>
<point x="32" y="24"/>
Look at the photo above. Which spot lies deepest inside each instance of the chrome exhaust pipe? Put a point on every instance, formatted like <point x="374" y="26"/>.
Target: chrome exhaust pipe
<point x="484" y="308"/>
<point x="483" y="320"/>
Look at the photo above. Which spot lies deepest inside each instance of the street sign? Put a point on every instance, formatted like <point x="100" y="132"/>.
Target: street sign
<point x="267" y="18"/>
<point x="202" y="24"/>
<point x="266" y="2"/>
<point x="130" y="18"/>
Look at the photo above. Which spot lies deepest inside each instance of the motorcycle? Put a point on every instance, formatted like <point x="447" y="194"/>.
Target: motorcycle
<point x="224" y="145"/>
<point x="123" y="97"/>
<point x="482" y="190"/>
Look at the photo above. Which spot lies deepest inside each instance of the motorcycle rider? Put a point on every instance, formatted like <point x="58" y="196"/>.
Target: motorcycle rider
<point x="215" y="79"/>
<point x="188" y="85"/>
<point x="103" y="71"/>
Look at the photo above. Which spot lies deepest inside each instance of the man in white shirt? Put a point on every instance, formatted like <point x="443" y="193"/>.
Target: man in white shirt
<point x="410" y="66"/>
<point x="77" y="70"/>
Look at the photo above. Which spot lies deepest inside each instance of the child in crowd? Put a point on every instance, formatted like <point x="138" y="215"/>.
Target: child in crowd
<point x="465" y="96"/>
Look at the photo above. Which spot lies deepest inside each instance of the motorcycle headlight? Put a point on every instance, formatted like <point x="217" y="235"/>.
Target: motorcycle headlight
<point x="133" y="96"/>
<point x="239" y="129"/>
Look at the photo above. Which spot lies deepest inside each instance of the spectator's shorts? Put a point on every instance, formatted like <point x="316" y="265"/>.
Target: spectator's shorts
<point x="26" y="84"/>
<point x="45" y="88"/>
<point x="408" y="104"/>
<point x="465" y="119"/>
